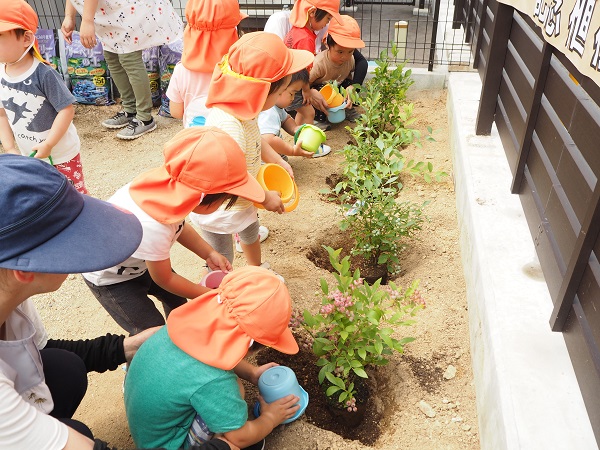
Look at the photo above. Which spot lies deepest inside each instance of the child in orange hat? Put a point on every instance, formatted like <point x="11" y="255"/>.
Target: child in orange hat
<point x="204" y="168"/>
<point x="248" y="80"/>
<point x="307" y="18"/>
<point x="194" y="384"/>
<point x="36" y="108"/>
<point x="337" y="63"/>
<point x="211" y="29"/>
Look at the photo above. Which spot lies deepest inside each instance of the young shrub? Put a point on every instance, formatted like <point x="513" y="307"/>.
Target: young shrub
<point x="354" y="328"/>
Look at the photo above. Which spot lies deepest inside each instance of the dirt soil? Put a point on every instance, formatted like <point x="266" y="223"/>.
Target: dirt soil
<point x="422" y="377"/>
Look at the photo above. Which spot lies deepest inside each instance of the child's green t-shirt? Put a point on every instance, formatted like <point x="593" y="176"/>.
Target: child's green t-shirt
<point x="165" y="388"/>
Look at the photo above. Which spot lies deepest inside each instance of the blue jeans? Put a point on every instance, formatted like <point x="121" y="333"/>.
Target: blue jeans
<point x="129" y="305"/>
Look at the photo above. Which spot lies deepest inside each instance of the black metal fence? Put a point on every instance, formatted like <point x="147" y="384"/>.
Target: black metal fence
<point x="430" y="38"/>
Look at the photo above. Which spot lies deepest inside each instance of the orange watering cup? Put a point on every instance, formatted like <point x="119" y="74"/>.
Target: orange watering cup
<point x="332" y="97"/>
<point x="273" y="177"/>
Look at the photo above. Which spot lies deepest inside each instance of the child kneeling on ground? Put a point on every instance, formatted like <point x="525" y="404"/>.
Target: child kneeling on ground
<point x="183" y="386"/>
<point x="274" y="119"/>
<point x="337" y="63"/>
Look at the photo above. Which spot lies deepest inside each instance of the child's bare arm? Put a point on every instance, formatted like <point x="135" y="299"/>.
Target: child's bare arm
<point x="191" y="240"/>
<point x="250" y="372"/>
<point x="176" y="109"/>
<point x="283" y="148"/>
<point x="87" y="30"/>
<point x="68" y="25"/>
<point x="6" y="134"/>
<point x="161" y="274"/>
<point x="57" y="131"/>
<point x="289" y="125"/>
<point x="269" y="155"/>
<point x="271" y="415"/>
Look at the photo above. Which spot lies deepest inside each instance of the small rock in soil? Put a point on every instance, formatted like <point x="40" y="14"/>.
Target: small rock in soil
<point x="466" y="427"/>
<point x="450" y="372"/>
<point x="426" y="408"/>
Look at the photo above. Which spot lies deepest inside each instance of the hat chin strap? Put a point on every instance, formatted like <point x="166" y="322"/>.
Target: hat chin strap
<point x="22" y="56"/>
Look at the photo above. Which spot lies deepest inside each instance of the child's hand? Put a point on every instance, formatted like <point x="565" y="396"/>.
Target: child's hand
<point x="87" y="33"/>
<point x="318" y="101"/>
<point x="258" y="371"/>
<point x="216" y="261"/>
<point x="279" y="410"/>
<point x="67" y="28"/>
<point x="43" y="150"/>
<point x="287" y="168"/>
<point x="273" y="202"/>
<point x="299" y="151"/>
<point x="348" y="98"/>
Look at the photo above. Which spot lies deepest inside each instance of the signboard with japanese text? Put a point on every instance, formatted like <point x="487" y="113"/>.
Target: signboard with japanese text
<point x="571" y="27"/>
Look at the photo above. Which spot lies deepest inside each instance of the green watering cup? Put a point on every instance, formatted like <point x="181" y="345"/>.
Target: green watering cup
<point x="311" y="136"/>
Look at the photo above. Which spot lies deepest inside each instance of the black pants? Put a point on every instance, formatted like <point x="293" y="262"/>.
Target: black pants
<point x="66" y="377"/>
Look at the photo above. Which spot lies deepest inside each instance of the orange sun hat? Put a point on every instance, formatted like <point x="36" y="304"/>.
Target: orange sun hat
<point x="240" y="82"/>
<point x="211" y="29"/>
<point x="218" y="327"/>
<point x="299" y="15"/>
<point x="19" y="14"/>
<point x="346" y="33"/>
<point x="198" y="161"/>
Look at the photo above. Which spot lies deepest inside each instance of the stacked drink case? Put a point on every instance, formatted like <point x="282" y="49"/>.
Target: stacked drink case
<point x="88" y="73"/>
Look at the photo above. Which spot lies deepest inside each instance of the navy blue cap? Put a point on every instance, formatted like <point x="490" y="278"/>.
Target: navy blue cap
<point x="47" y="226"/>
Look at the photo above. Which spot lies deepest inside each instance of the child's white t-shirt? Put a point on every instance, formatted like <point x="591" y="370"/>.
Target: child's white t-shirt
<point x="191" y="89"/>
<point x="243" y="213"/>
<point x="157" y="240"/>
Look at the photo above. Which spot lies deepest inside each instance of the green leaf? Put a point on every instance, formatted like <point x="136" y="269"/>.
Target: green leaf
<point x="362" y="353"/>
<point x="324" y="286"/>
<point x="360" y="372"/>
<point x="332" y="390"/>
<point x="342" y="397"/>
<point x="335" y="380"/>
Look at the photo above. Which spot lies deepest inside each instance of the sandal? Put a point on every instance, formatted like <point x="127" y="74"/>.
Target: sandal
<point x="322" y="151"/>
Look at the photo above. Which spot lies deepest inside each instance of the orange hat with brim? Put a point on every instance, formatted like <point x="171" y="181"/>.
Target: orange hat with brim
<point x="198" y="161"/>
<point x="346" y="33"/>
<point x="210" y="31"/>
<point x="19" y="14"/>
<point x="241" y="81"/>
<point x="218" y="327"/>
<point x="299" y="14"/>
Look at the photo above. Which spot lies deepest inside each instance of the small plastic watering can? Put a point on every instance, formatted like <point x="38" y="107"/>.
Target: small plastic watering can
<point x="337" y="114"/>
<point x="273" y="177"/>
<point x="277" y="382"/>
<point x="332" y="97"/>
<point x="311" y="136"/>
<point x="213" y="279"/>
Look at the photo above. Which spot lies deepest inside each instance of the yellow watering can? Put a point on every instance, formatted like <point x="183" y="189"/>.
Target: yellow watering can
<point x="273" y="177"/>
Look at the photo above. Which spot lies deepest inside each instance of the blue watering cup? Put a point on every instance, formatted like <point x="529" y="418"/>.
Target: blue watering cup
<point x="337" y="114"/>
<point x="278" y="382"/>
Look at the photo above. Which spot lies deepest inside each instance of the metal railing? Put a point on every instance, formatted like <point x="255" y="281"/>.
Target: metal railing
<point x="430" y="37"/>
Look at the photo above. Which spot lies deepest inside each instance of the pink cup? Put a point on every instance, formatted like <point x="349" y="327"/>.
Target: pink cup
<point x="213" y="279"/>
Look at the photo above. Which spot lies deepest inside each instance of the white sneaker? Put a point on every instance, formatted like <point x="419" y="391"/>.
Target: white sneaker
<point x="263" y="233"/>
